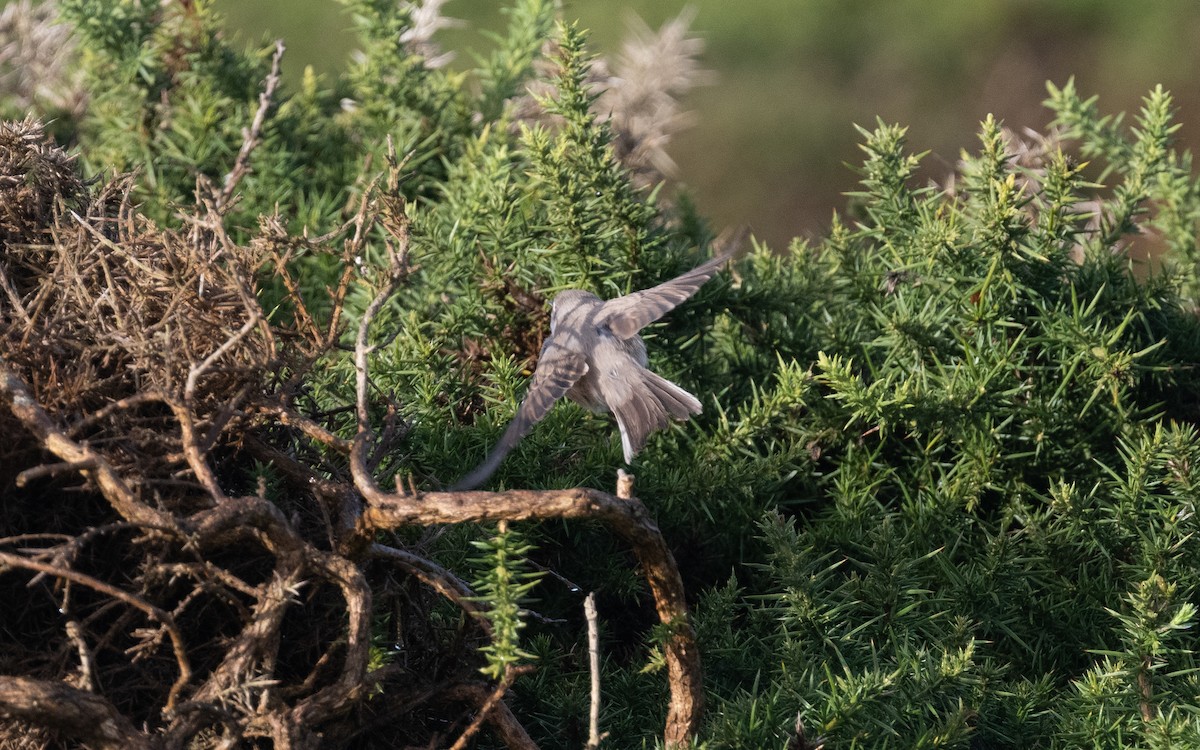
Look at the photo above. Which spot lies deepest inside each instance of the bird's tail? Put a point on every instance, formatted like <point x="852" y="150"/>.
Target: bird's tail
<point x="678" y="403"/>
<point x="647" y="408"/>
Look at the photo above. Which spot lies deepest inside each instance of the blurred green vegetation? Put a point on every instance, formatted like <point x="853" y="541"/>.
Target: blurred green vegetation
<point x="770" y="142"/>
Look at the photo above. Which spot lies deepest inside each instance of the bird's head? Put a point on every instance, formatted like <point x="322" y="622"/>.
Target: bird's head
<point x="567" y="302"/>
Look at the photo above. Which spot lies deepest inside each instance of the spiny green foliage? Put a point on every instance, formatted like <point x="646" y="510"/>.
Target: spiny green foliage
<point x="504" y="585"/>
<point x="170" y="98"/>
<point x="1157" y="188"/>
<point x="1002" y="548"/>
<point x="526" y="211"/>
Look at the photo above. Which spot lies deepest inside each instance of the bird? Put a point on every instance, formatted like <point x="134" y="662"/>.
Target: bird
<point x="595" y="357"/>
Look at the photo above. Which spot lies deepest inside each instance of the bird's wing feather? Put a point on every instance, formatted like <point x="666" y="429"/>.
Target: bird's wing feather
<point x="627" y="315"/>
<point x="559" y="367"/>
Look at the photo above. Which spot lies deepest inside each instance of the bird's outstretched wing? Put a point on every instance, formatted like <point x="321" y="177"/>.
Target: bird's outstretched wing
<point x="627" y="315"/>
<point x="559" y="367"/>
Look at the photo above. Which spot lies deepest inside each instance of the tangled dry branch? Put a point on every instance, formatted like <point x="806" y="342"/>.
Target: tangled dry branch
<point x="137" y="367"/>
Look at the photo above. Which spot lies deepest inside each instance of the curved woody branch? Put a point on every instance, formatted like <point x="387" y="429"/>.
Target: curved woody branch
<point x="626" y="515"/>
<point x="81" y="715"/>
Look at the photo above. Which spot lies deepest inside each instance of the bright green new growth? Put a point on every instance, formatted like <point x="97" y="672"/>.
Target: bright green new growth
<point x="943" y="490"/>
<point x="503" y="586"/>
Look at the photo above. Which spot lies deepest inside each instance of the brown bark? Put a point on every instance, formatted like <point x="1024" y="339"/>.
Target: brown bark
<point x="80" y="715"/>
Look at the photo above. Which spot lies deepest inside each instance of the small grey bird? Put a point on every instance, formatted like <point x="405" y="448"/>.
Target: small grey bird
<point x="595" y="357"/>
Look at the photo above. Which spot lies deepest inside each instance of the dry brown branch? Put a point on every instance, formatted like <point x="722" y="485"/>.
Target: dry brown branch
<point x="437" y="578"/>
<point x="194" y="450"/>
<point x="38" y="422"/>
<point x="189" y="390"/>
<point x="501" y="719"/>
<point x="76" y="713"/>
<point x="49" y="470"/>
<point x="236" y="518"/>
<point x="205" y="572"/>
<point x="293" y="289"/>
<point x="488" y="705"/>
<point x="14" y="301"/>
<point x="252" y="136"/>
<point x="509" y="730"/>
<point x="164" y="618"/>
<point x="254" y="650"/>
<point x="306" y="425"/>
<point x="104" y="413"/>
<point x="628" y="518"/>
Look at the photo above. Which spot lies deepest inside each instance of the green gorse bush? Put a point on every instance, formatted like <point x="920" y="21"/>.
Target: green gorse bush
<point x="943" y="493"/>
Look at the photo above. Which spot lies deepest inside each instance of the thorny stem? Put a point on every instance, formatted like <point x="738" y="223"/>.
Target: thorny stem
<point x="253" y="136"/>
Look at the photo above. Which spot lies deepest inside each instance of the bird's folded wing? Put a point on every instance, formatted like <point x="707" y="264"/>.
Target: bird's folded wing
<point x="627" y="315"/>
<point x="558" y="369"/>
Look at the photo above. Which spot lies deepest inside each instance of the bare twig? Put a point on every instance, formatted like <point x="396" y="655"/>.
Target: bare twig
<point x="103" y="413"/>
<point x="193" y="450"/>
<point x="195" y="372"/>
<point x="35" y="419"/>
<point x="13" y="298"/>
<point x="437" y="578"/>
<point x="151" y="611"/>
<point x="23" y="538"/>
<point x="508" y="730"/>
<point x="49" y="470"/>
<point x="338" y="295"/>
<point x="106" y="242"/>
<point x="208" y="574"/>
<point x="593" y="629"/>
<point x="252" y="136"/>
<point x="510" y="674"/>
<point x="293" y="289"/>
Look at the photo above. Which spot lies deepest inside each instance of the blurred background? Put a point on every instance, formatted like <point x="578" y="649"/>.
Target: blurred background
<point x="772" y="142"/>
